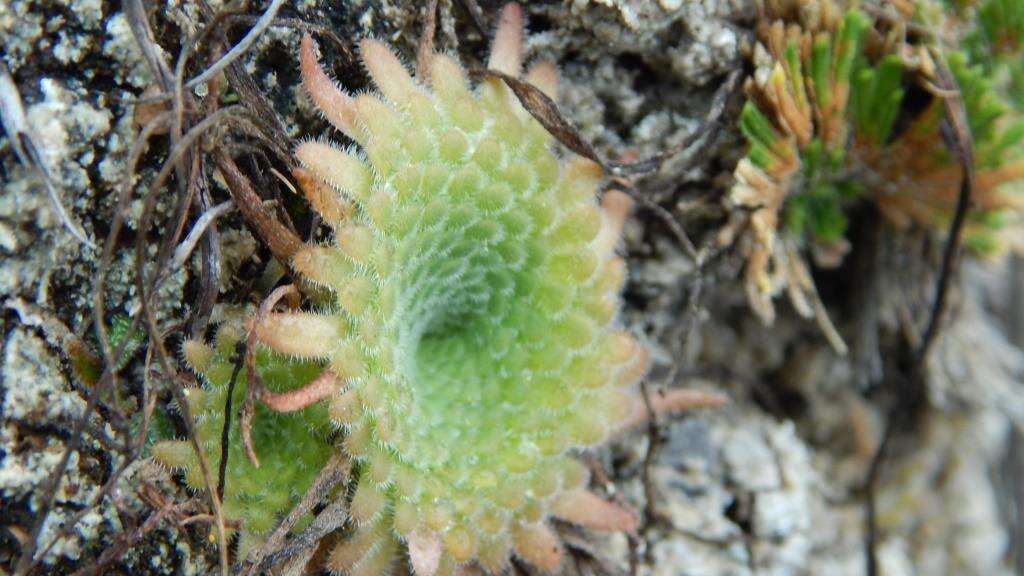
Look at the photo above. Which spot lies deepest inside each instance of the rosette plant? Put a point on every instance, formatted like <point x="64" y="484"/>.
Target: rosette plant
<point x="471" y="344"/>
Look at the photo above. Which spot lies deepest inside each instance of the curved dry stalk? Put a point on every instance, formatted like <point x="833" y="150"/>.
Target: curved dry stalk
<point x="333" y="473"/>
<point x="125" y="189"/>
<point x="135" y="13"/>
<point x="190" y="425"/>
<point x="254" y="387"/>
<point x="207" y="219"/>
<point x="22" y="139"/>
<point x="129" y="453"/>
<point x="124" y="543"/>
<point x="330" y="519"/>
<point x="961" y="147"/>
<point x="241" y="48"/>
<point x="283" y="243"/>
<point x="145" y="292"/>
<point x="176" y="154"/>
<point x="546" y="111"/>
<point x="181" y="147"/>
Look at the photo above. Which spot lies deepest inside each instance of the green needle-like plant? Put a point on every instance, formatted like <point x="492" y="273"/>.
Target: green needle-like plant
<point x="796" y="125"/>
<point x="920" y="175"/>
<point x="821" y="123"/>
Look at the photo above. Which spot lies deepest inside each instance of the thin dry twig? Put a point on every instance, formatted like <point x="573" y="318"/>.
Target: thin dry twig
<point x="225" y="433"/>
<point x="23" y="141"/>
<point x="327" y="521"/>
<point x="545" y="111"/>
<point x="124" y="541"/>
<point x="187" y="169"/>
<point x="187" y="165"/>
<point x="210" y="271"/>
<point x="309" y="27"/>
<point x="333" y="473"/>
<point x="29" y="559"/>
<point x="426" y="44"/>
<point x="681" y="334"/>
<point x="476" y="15"/>
<point x="146" y="290"/>
<point x="254" y="384"/>
<point x="551" y="119"/>
<point x="959" y="142"/>
<point x="238" y="49"/>
<point x="654" y="438"/>
<point x="135" y="13"/>
<point x="148" y="405"/>
<point x="671" y="221"/>
<point x="961" y="147"/>
<point x="190" y="425"/>
<point x="181" y="151"/>
<point x="283" y="243"/>
<point x="184" y="250"/>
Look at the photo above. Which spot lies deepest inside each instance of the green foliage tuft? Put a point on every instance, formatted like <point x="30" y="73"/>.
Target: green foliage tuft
<point x="292" y="448"/>
<point x="831" y="165"/>
<point x="876" y="99"/>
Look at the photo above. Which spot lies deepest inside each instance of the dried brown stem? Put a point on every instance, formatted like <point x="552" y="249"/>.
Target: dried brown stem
<point x="283" y="243"/>
<point x="187" y="166"/>
<point x="29" y="559"/>
<point x="135" y="13"/>
<point x="330" y="519"/>
<point x="23" y="141"/>
<point x="225" y="432"/>
<point x="333" y="472"/>
<point x="181" y="152"/>
<point x="238" y="49"/>
<point x="297" y="24"/>
<point x="131" y="453"/>
<point x="545" y="111"/>
<point x="477" y="16"/>
<point x="426" y="44"/>
<point x="960" y="145"/>
<point x="254" y="388"/>
<point x="205" y="221"/>
<point x="190" y="425"/>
